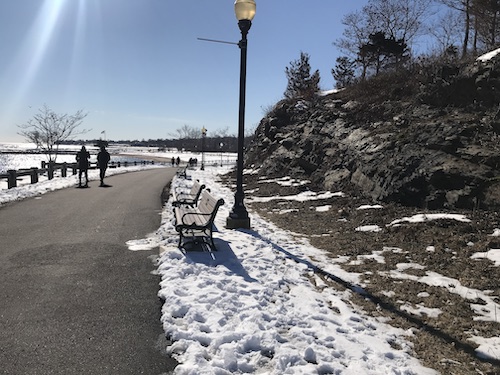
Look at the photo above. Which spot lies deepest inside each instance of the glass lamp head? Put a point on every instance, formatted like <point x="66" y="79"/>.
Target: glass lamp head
<point x="245" y="9"/>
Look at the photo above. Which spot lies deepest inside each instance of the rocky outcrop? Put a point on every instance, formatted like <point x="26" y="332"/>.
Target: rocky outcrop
<point x="422" y="151"/>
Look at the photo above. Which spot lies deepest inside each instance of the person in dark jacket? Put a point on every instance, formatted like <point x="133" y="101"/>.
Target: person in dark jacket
<point x="103" y="160"/>
<point x="82" y="157"/>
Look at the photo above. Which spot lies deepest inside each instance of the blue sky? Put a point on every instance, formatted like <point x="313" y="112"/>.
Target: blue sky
<point x="139" y="71"/>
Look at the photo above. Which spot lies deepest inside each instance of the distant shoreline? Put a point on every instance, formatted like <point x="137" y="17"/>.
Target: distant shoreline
<point x="145" y="157"/>
<point x="36" y="152"/>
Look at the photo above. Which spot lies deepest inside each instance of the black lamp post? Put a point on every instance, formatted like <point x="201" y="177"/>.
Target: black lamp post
<point x="245" y="12"/>
<point x="221" y="145"/>
<point x="203" y="136"/>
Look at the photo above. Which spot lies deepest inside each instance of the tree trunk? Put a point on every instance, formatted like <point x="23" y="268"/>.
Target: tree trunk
<point x="467" y="28"/>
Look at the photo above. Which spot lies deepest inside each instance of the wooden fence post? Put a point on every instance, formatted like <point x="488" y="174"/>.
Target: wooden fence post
<point x="12" y="180"/>
<point x="50" y="171"/>
<point x="34" y="175"/>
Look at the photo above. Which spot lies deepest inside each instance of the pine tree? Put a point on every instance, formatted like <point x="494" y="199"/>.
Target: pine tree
<point x="301" y="83"/>
<point x="343" y="73"/>
<point x="383" y="52"/>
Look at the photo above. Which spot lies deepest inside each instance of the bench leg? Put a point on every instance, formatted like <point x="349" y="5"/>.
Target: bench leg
<point x="180" y="239"/>
<point x="205" y="239"/>
<point x="212" y="243"/>
<point x="183" y="241"/>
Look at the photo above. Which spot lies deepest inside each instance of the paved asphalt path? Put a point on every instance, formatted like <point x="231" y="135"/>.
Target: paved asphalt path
<point x="73" y="298"/>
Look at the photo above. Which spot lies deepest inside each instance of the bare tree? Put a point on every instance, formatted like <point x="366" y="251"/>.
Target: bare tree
<point x="356" y="34"/>
<point x="188" y="132"/>
<point x="400" y="20"/>
<point x="446" y="30"/>
<point x="486" y="23"/>
<point x="465" y="7"/>
<point x="47" y="129"/>
<point x="221" y="133"/>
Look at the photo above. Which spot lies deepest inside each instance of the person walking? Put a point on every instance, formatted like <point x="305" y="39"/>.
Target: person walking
<point x="82" y="158"/>
<point x="103" y="158"/>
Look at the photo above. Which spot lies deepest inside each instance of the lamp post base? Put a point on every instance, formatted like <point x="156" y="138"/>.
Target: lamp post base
<point x="238" y="222"/>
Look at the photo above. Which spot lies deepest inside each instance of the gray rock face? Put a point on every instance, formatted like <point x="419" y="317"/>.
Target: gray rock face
<point x="414" y="152"/>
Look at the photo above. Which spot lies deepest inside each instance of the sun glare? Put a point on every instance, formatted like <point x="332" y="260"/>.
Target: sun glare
<point x="78" y="43"/>
<point x="40" y="36"/>
<point x="32" y="51"/>
<point x="38" y="41"/>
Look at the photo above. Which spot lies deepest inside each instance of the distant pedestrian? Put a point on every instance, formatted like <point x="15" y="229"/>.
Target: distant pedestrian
<point x="178" y="161"/>
<point x="173" y="161"/>
<point x="82" y="158"/>
<point x="103" y="158"/>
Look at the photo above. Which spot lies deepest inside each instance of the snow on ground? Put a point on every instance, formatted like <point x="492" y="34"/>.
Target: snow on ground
<point x="301" y="197"/>
<point x="488" y="56"/>
<point x="257" y="306"/>
<point x="492" y="254"/>
<point x="428" y="217"/>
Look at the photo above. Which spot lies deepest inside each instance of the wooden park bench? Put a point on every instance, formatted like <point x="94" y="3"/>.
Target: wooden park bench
<point x="198" y="222"/>
<point x="182" y="172"/>
<point x="189" y="198"/>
